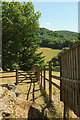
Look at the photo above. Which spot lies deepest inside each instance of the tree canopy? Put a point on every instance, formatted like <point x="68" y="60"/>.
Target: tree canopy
<point x="20" y="23"/>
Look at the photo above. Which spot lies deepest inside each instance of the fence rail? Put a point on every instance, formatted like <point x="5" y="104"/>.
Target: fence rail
<point x="6" y="71"/>
<point x="53" y="69"/>
<point x="53" y="83"/>
<point x="7" y="76"/>
<point x="18" y="74"/>
<point x="56" y="77"/>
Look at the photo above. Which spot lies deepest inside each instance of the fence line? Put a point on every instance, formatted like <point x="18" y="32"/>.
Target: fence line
<point x="18" y="74"/>
<point x="70" y="80"/>
<point x="49" y="80"/>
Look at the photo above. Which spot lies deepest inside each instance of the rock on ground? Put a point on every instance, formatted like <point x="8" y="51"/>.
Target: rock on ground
<point x="13" y="105"/>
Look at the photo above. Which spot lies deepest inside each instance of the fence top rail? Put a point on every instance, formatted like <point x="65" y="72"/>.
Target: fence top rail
<point x="7" y="76"/>
<point x="71" y="48"/>
<point x="15" y="71"/>
<point x="56" y="77"/>
<point x="6" y="71"/>
<point x="21" y="71"/>
<point x="70" y="80"/>
<point x="53" y="83"/>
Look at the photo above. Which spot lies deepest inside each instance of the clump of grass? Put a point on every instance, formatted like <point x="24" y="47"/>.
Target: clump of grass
<point x="43" y="108"/>
<point x="24" y="95"/>
<point x="54" y="92"/>
<point x="14" y="114"/>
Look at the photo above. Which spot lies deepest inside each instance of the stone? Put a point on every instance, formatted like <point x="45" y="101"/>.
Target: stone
<point x="7" y="112"/>
<point x="0" y="116"/>
<point x="1" y="92"/>
<point x="2" y="105"/>
<point x="35" y="68"/>
<point x="1" y="69"/>
<point x="34" y="113"/>
<point x="5" y="92"/>
<point x="17" y="92"/>
<point x="13" y="95"/>
<point x="9" y="95"/>
<point x="11" y="86"/>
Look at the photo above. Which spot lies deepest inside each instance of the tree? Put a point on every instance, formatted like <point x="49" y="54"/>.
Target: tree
<point x="56" y="59"/>
<point x="19" y="25"/>
<point x="56" y="39"/>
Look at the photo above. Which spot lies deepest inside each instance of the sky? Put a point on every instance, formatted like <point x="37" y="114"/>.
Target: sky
<point x="60" y="15"/>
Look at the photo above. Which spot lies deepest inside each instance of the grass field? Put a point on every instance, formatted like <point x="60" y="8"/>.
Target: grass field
<point x="48" y="52"/>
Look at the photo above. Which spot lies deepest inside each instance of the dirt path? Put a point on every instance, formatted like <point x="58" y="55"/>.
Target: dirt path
<point x="31" y="92"/>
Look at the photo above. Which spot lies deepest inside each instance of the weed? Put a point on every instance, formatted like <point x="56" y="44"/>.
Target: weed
<point x="24" y="95"/>
<point x="54" y="91"/>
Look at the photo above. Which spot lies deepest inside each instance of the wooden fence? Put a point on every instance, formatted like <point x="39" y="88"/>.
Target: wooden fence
<point x="43" y="70"/>
<point x="10" y="76"/>
<point x="21" y="75"/>
<point x="70" y="80"/>
<point x="7" y="72"/>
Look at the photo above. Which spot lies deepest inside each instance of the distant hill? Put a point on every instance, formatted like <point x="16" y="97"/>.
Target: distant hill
<point x="67" y="33"/>
<point x="56" y="39"/>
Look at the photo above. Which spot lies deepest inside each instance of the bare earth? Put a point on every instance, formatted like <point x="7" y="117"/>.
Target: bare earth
<point x="32" y="94"/>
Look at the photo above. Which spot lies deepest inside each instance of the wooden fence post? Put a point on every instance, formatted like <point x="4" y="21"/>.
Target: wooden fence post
<point x="16" y="76"/>
<point x="66" y="112"/>
<point x="60" y="79"/>
<point x="44" y="78"/>
<point x="41" y="76"/>
<point x="50" y="80"/>
<point x="79" y="62"/>
<point x="37" y="71"/>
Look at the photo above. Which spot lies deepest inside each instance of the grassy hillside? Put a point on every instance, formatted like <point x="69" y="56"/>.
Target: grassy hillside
<point x="48" y="52"/>
<point x="56" y="39"/>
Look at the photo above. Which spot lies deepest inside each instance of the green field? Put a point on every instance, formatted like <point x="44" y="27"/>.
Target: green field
<point x="48" y="52"/>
